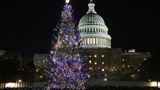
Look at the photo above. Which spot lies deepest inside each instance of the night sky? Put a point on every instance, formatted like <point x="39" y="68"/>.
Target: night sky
<point x="26" y="25"/>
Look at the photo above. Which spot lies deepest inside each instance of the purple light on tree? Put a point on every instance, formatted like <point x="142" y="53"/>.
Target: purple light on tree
<point x="64" y="68"/>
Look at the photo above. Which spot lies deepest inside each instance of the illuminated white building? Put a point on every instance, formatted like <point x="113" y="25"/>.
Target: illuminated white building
<point x="94" y="32"/>
<point x="104" y="63"/>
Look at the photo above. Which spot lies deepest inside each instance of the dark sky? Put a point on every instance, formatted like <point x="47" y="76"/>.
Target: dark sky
<point x="26" y="25"/>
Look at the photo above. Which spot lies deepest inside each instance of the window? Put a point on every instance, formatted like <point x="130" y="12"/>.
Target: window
<point x="41" y="76"/>
<point x="102" y="69"/>
<point x="90" y="68"/>
<point x="102" y="62"/>
<point x="96" y="29"/>
<point x="90" y="29"/>
<point x="128" y="66"/>
<point x="90" y="61"/>
<point x="93" y="29"/>
<point x="105" y="79"/>
<point x="105" y="75"/>
<point x="123" y="66"/>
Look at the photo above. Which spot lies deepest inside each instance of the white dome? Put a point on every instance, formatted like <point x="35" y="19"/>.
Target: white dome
<point x="91" y="19"/>
<point x="94" y="32"/>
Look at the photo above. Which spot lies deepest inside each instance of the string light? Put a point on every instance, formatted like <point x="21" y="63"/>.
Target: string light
<point x="64" y="66"/>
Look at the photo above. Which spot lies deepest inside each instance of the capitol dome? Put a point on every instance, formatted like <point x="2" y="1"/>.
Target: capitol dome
<point x="93" y="31"/>
<point x="90" y="19"/>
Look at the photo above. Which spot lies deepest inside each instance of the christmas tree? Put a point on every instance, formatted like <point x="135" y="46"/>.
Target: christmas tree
<point x="65" y="65"/>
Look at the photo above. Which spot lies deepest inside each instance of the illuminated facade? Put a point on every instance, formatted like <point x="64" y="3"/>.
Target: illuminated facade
<point x="111" y="63"/>
<point x="103" y="62"/>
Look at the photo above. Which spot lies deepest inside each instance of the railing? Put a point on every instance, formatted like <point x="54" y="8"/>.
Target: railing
<point x="125" y="83"/>
<point x="154" y="84"/>
<point x="15" y="85"/>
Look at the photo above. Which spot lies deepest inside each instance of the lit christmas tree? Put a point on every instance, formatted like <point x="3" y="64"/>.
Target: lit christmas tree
<point x="65" y="65"/>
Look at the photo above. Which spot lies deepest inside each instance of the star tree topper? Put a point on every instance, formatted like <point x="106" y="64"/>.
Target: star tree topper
<point x="67" y="1"/>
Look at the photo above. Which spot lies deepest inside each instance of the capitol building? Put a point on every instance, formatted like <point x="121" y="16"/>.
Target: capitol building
<point x="104" y="63"/>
